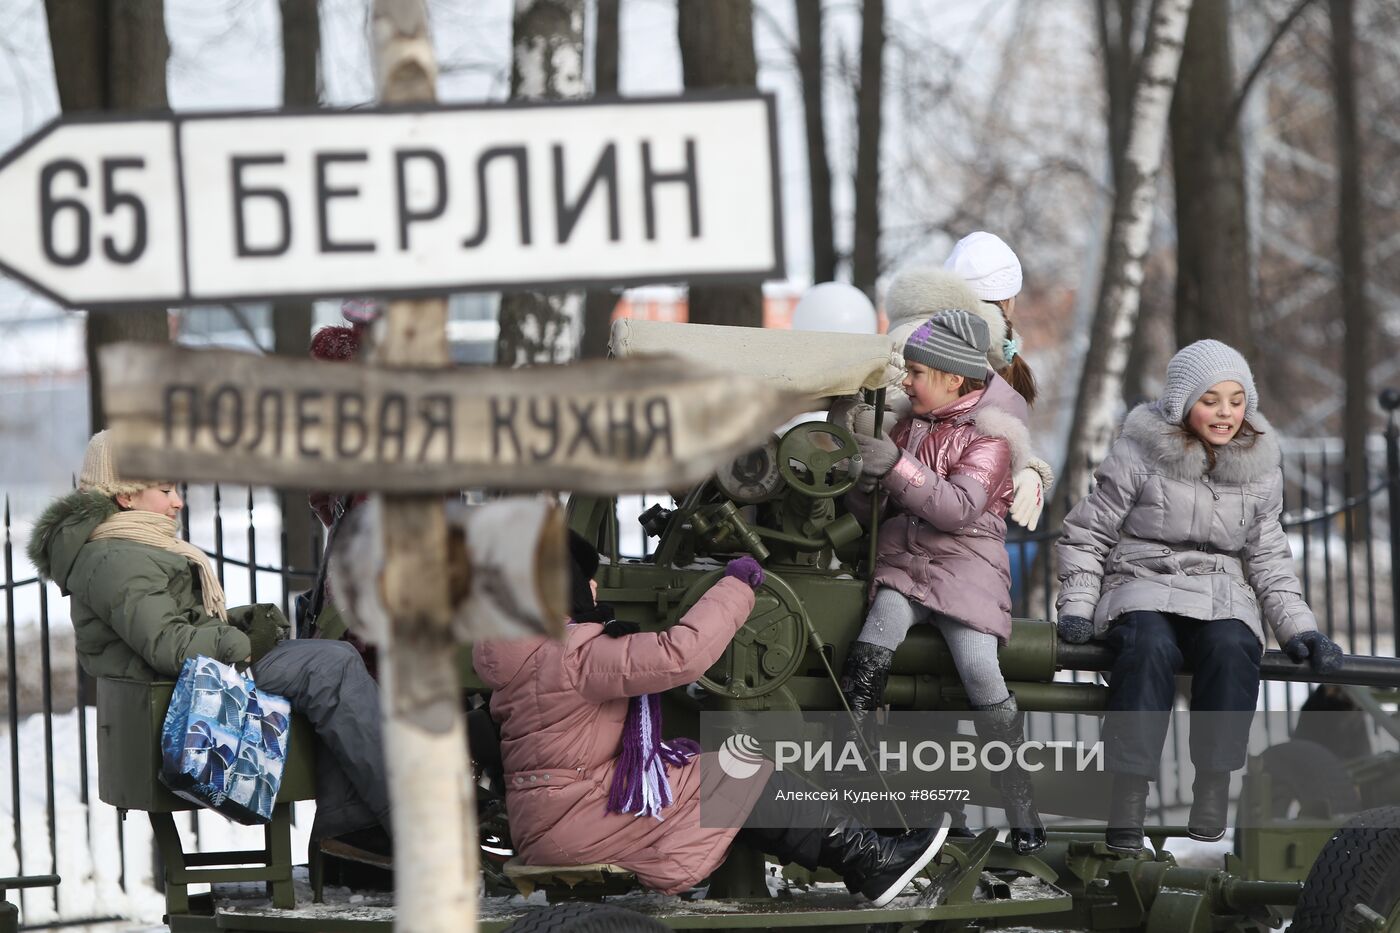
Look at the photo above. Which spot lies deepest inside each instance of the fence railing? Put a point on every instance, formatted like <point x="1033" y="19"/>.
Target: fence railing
<point x="1344" y="541"/>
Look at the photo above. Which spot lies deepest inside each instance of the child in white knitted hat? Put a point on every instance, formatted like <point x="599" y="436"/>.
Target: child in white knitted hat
<point x="981" y="275"/>
<point x="945" y="476"/>
<point x="1177" y="560"/>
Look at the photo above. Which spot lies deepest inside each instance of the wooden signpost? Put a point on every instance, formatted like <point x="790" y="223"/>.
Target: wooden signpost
<point x="212" y="208"/>
<point x="408" y="201"/>
<point x="601" y="427"/>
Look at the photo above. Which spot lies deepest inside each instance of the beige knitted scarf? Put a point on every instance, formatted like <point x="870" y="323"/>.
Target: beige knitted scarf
<point x="158" y="531"/>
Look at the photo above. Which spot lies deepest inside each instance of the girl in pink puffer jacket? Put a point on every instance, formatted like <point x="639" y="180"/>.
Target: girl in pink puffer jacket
<point x="947" y="472"/>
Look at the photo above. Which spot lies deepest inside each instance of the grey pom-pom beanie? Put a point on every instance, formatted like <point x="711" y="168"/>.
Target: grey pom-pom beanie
<point x="1197" y="367"/>
<point x="952" y="341"/>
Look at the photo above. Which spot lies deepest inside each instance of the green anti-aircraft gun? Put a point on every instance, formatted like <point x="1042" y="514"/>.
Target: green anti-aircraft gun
<point x="782" y="504"/>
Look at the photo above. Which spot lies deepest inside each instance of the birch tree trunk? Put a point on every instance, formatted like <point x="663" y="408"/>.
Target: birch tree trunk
<point x="1351" y="243"/>
<point x="598" y="303"/>
<point x="810" y="65"/>
<point x="546" y="64"/>
<point x="865" y="240"/>
<point x="430" y="787"/>
<point x="716" y="41"/>
<point x="291" y="320"/>
<point x="1101" y="381"/>
<point x="111" y="55"/>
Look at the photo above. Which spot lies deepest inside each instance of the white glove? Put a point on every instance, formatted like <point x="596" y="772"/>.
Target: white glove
<point x="863" y="418"/>
<point x="843" y="411"/>
<point x="1029" y="498"/>
<point x="859" y="417"/>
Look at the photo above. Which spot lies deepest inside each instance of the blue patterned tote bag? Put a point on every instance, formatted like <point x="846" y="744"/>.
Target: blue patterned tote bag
<point x="223" y="742"/>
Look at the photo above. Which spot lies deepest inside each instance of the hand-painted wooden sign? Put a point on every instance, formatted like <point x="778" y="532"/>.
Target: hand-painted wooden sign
<point x="602" y="427"/>
<point x="200" y="208"/>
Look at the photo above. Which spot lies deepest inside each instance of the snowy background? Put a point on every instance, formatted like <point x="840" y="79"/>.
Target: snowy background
<point x="1030" y="69"/>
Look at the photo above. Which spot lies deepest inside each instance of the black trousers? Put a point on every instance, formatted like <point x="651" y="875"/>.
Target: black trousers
<point x="1151" y="649"/>
<point x="800" y="840"/>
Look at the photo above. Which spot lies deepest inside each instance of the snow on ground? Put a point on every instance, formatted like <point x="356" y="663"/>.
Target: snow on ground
<point x="106" y="863"/>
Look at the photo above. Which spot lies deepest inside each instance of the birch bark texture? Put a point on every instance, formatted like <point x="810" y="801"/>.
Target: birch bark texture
<point x="430" y="787"/>
<point x="1101" y="379"/>
<point x="546" y="64"/>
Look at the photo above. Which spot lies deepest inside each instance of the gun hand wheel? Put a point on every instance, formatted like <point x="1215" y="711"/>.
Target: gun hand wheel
<point x="767" y="650"/>
<point x="820" y="481"/>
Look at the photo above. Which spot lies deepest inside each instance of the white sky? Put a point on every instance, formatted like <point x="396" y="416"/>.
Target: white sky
<point x="225" y="54"/>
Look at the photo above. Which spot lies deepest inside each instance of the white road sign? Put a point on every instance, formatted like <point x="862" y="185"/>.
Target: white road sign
<point x="229" y="207"/>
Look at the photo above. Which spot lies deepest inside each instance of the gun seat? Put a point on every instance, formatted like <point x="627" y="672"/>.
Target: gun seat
<point x="566" y="882"/>
<point x="129" y="718"/>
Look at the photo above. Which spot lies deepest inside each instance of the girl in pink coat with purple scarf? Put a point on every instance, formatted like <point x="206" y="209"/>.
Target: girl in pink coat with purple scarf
<point x="589" y="778"/>
<point x="947" y="473"/>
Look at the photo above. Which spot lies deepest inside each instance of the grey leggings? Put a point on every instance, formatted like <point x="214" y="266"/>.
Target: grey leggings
<point x="326" y="682"/>
<point x="974" y="652"/>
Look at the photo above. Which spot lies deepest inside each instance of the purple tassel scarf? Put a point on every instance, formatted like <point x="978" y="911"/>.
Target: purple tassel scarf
<point x="639" y="782"/>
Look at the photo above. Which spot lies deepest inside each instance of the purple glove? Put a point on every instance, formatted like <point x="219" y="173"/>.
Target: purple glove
<point x="745" y="570"/>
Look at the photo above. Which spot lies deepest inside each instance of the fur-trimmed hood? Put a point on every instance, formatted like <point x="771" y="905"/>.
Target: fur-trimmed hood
<point x="1246" y="460"/>
<point x="62" y="530"/>
<point x="999" y="411"/>
<point x="918" y="292"/>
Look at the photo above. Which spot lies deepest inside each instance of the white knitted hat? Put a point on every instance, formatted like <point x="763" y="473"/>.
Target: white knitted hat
<point x="918" y="292"/>
<point x="987" y="264"/>
<point x="1195" y="368"/>
<point x="100" y="474"/>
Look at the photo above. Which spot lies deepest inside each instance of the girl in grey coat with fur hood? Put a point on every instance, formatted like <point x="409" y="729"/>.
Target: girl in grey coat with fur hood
<point x="1177" y="559"/>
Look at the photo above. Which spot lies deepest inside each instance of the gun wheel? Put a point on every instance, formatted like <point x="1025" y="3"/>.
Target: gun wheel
<point x="1354" y="886"/>
<point x="767" y="650"/>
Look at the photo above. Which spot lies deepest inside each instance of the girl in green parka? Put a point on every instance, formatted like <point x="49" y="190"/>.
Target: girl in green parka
<point x="143" y="601"/>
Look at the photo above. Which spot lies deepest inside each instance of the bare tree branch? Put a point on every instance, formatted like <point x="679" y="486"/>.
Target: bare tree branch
<point x="1237" y="105"/>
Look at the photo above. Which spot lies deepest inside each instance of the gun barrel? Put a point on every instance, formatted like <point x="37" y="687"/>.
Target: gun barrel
<point x="1356" y="669"/>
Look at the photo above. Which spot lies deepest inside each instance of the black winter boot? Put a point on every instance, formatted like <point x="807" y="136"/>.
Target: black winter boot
<point x="864" y="676"/>
<point x="1126" y="813"/>
<point x="879" y="867"/>
<point x="1003" y="722"/>
<point x="1210" y="805"/>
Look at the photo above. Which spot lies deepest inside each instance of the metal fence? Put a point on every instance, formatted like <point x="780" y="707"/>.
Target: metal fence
<point x="1345" y="548"/>
<point x="1342" y="539"/>
<point x="56" y="823"/>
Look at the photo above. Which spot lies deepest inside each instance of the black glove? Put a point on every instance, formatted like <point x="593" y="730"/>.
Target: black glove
<point x="263" y="624"/>
<point x="1075" y="630"/>
<point x="263" y="634"/>
<point x="1316" y="647"/>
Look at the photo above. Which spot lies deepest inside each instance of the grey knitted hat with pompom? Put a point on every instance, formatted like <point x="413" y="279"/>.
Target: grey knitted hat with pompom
<point x="951" y="341"/>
